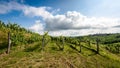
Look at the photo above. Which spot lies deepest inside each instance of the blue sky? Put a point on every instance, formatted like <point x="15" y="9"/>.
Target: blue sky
<point x="63" y="17"/>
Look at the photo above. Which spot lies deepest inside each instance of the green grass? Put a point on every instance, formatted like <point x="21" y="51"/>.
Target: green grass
<point x="52" y="57"/>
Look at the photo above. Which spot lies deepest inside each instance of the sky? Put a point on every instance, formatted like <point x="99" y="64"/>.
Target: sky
<point x="63" y="17"/>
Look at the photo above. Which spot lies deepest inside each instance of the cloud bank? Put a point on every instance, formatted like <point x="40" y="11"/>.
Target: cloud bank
<point x="71" y="23"/>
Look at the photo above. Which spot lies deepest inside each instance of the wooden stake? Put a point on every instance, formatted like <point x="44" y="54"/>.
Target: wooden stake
<point x="43" y="41"/>
<point x="97" y="45"/>
<point x="62" y="43"/>
<point x="80" y="46"/>
<point x="9" y="43"/>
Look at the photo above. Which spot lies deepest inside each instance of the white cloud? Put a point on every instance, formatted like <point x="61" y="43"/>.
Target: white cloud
<point x="75" y="20"/>
<point x="37" y="27"/>
<point x="6" y="7"/>
<point x="40" y="11"/>
<point x="74" y="23"/>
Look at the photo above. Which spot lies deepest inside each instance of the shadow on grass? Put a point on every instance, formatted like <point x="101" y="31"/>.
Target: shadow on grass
<point x="33" y="48"/>
<point x="90" y="49"/>
<point x="3" y="45"/>
<point x="55" y="49"/>
<point x="94" y="51"/>
<point x="74" y="48"/>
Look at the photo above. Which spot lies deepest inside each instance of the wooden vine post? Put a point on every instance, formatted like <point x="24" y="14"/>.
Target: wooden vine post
<point x="89" y="44"/>
<point x="97" y="43"/>
<point x="118" y="48"/>
<point x="80" y="46"/>
<point x="9" y="43"/>
<point x="63" y="43"/>
<point x="43" y="42"/>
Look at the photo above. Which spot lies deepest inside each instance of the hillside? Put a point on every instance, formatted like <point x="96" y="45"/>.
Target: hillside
<point x="31" y="50"/>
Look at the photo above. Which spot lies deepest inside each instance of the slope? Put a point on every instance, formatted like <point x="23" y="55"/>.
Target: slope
<point x="27" y="51"/>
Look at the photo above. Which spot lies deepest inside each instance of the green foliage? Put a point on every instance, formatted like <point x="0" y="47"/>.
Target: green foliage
<point x="13" y="26"/>
<point x="19" y="35"/>
<point x="2" y="25"/>
<point x="45" y="39"/>
<point x="114" y="48"/>
<point x="18" y="38"/>
<point x="34" y="38"/>
<point x="75" y="41"/>
<point x="60" y="42"/>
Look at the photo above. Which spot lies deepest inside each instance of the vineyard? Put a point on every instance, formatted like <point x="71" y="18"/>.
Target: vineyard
<point x="21" y="48"/>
